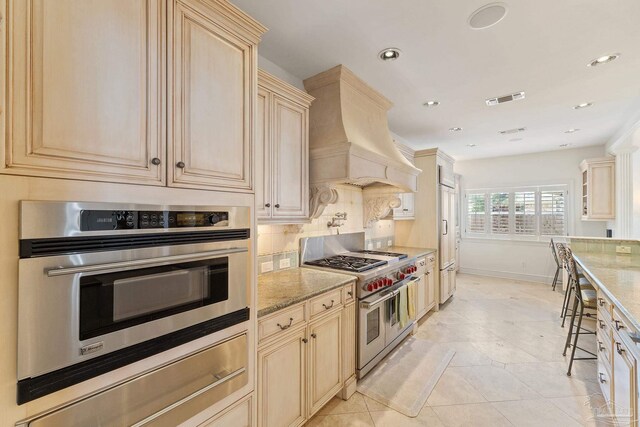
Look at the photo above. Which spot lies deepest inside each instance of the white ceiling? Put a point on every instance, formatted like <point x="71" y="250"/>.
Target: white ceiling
<point x="541" y="47"/>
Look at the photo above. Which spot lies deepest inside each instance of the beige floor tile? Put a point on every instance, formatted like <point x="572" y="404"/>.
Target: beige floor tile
<point x="534" y="413"/>
<point x="374" y="405"/>
<point x="550" y="380"/>
<point x="476" y="414"/>
<point x="362" y="419"/>
<point x="503" y="352"/>
<point x="496" y="384"/>
<point x="453" y="389"/>
<point x="587" y="410"/>
<point x="426" y="417"/>
<point x="338" y="406"/>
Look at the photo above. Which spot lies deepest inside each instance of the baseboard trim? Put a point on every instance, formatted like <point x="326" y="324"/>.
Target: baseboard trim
<point x="508" y="275"/>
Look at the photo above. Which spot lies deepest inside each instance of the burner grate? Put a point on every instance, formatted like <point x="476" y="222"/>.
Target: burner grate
<point x="348" y="263"/>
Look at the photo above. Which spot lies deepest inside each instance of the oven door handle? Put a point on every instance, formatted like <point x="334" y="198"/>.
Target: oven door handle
<point x="368" y="305"/>
<point x="127" y="265"/>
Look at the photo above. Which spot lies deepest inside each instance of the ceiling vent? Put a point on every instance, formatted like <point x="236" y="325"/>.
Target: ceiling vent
<point x="506" y="98"/>
<point x="512" y="131"/>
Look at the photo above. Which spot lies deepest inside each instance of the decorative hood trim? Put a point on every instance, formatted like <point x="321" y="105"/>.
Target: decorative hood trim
<point x="349" y="136"/>
<point x="379" y="201"/>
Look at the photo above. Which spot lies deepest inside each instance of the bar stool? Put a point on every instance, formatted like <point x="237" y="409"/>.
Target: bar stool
<point x="558" y="265"/>
<point x="564" y="253"/>
<point x="585" y="299"/>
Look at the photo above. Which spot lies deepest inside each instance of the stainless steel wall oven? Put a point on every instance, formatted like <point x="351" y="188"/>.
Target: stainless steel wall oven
<point x="104" y="285"/>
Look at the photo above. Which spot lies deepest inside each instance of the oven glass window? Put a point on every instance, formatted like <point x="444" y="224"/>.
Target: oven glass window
<point x="114" y="301"/>
<point x="373" y="325"/>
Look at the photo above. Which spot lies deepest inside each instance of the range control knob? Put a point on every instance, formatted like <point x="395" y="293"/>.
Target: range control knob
<point x="378" y="283"/>
<point x="389" y="281"/>
<point x="400" y="276"/>
<point x="368" y="287"/>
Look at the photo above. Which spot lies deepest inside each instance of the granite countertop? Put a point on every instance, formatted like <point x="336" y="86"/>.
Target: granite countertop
<point x="288" y="287"/>
<point x="412" y="252"/>
<point x="618" y="276"/>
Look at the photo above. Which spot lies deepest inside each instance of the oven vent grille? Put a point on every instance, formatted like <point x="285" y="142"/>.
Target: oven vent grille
<point x="68" y="245"/>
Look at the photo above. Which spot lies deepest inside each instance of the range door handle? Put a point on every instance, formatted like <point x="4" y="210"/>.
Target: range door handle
<point x="128" y="265"/>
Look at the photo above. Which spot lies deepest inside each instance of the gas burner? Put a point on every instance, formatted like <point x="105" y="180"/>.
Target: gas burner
<point x="381" y="253"/>
<point x="348" y="263"/>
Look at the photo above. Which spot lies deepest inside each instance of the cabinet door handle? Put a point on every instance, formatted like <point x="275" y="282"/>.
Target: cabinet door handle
<point x="327" y="307"/>
<point x="314" y="336"/>
<point x="180" y="165"/>
<point x="619" y="325"/>
<point x="277" y="205"/>
<point x="405" y="210"/>
<point x="350" y="293"/>
<point x="601" y="324"/>
<point x="267" y="205"/>
<point x="155" y="161"/>
<point x="619" y="348"/>
<point x="304" y="340"/>
<point x="601" y="301"/>
<point x="602" y="380"/>
<point x="600" y="346"/>
<point x="283" y="327"/>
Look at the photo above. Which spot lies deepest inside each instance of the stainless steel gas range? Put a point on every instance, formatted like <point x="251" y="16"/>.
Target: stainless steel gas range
<point x="381" y="289"/>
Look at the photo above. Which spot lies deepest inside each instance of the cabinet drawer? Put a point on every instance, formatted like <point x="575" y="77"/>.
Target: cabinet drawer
<point x="604" y="324"/>
<point x="431" y="260"/>
<point x="238" y="415"/>
<point x="325" y="303"/>
<point x="421" y="264"/>
<point x="604" y="346"/>
<point x="280" y="321"/>
<point x="604" y="378"/>
<point x="348" y="293"/>
<point x="604" y="304"/>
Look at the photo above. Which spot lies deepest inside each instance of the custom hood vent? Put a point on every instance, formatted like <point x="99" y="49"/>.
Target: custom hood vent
<point x="350" y="143"/>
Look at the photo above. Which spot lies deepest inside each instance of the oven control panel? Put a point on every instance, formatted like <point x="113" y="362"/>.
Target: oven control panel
<point x="101" y="220"/>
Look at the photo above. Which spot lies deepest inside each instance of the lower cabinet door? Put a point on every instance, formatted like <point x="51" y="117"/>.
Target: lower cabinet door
<point x="325" y="360"/>
<point x="282" y="386"/>
<point x="625" y="397"/>
<point x="421" y="297"/>
<point x="430" y="287"/>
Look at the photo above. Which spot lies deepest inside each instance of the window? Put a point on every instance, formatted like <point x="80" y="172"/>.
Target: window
<point x="517" y="213"/>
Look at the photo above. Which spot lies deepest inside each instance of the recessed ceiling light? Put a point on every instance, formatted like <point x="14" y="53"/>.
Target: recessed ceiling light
<point x="471" y="145"/>
<point x="571" y="130"/>
<point x="487" y="16"/>
<point x="510" y="131"/>
<point x="603" y="60"/>
<point x="456" y="129"/>
<point x="389" y="54"/>
<point x="583" y="105"/>
<point x="564" y="145"/>
<point x="504" y="98"/>
<point x="431" y="103"/>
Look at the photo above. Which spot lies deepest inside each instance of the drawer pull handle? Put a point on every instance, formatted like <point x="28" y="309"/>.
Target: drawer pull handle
<point x="350" y="293"/>
<point x="619" y="325"/>
<point x="601" y="301"/>
<point x="286" y="326"/>
<point x="601" y="324"/>
<point x="314" y="336"/>
<point x="619" y="348"/>
<point x="327" y="307"/>
<point x="602" y="380"/>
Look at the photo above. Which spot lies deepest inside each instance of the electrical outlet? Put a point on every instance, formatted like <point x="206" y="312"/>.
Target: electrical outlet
<point x="266" y="267"/>
<point x="378" y="245"/>
<point x="389" y="242"/>
<point x="623" y="249"/>
<point x="285" y="263"/>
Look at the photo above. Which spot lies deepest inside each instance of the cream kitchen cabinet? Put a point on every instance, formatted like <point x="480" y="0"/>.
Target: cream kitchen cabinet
<point x="426" y="287"/>
<point x="156" y="92"/>
<point x="430" y="283"/>
<point x="282" y="147"/>
<point x="598" y="189"/>
<point x="406" y="209"/>
<point x="447" y="283"/>
<point x="303" y="364"/>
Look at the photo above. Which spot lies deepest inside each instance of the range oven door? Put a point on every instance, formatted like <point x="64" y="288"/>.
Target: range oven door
<point x="371" y="327"/>
<point x="75" y="307"/>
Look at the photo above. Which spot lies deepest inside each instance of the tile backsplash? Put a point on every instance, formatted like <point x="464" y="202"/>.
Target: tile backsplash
<point x="278" y="242"/>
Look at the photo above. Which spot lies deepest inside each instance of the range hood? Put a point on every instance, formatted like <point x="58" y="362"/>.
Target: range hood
<point x="350" y="143"/>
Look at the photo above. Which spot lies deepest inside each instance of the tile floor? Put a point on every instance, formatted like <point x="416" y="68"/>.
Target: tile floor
<point x="508" y="368"/>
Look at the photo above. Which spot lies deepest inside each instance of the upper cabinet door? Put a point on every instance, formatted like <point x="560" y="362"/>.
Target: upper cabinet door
<point x="290" y="155"/>
<point x="263" y="155"/>
<point x="212" y="84"/>
<point x="86" y="87"/>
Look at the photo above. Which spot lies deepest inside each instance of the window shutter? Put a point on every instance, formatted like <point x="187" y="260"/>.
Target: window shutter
<point x="500" y="213"/>
<point x="525" y="212"/>
<point x="552" y="213"/>
<point x="476" y="213"/>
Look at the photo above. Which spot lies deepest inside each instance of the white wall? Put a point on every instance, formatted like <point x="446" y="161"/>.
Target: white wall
<point x="525" y="260"/>
<point x="279" y="72"/>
